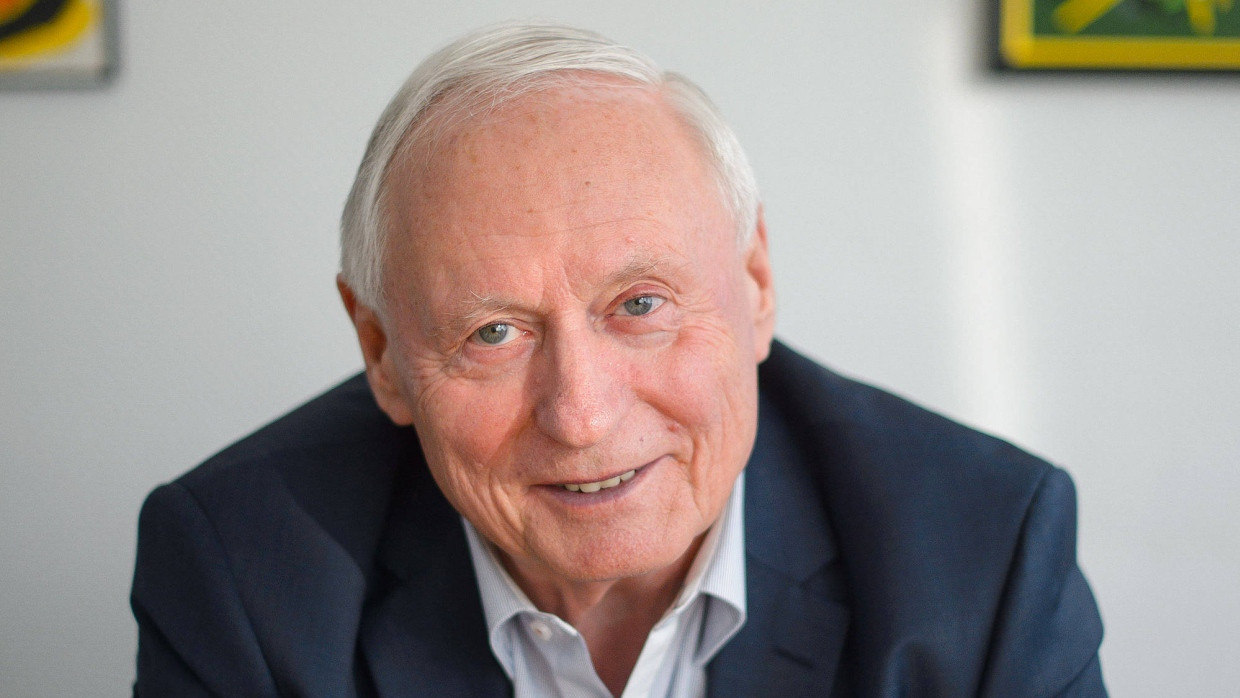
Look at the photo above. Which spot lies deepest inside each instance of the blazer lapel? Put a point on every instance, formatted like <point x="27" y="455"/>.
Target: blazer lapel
<point x="423" y="632"/>
<point x="797" y="620"/>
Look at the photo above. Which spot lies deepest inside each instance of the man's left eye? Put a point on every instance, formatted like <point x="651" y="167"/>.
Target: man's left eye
<point x="496" y="334"/>
<point x="641" y="305"/>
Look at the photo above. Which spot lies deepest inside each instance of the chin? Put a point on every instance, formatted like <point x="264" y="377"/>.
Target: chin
<point x="620" y="555"/>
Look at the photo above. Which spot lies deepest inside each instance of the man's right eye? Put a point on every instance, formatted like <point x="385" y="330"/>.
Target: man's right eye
<point x="496" y="334"/>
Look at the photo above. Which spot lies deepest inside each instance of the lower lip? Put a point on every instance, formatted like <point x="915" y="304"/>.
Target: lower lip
<point x="607" y="496"/>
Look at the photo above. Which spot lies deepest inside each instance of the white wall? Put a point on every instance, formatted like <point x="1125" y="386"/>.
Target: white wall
<point x="1053" y="259"/>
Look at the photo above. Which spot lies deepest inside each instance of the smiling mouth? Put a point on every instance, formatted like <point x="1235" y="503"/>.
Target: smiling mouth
<point x="589" y="487"/>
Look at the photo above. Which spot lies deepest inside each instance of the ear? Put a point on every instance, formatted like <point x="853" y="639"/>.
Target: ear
<point x="761" y="289"/>
<point x="378" y="355"/>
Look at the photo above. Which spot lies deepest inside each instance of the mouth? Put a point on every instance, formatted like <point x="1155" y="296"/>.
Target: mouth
<point x="592" y="487"/>
<point x="604" y="492"/>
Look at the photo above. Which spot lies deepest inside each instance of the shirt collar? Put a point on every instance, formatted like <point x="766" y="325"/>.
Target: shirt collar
<point x="719" y="569"/>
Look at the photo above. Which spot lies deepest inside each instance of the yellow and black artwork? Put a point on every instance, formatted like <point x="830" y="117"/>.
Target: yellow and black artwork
<point x="50" y="43"/>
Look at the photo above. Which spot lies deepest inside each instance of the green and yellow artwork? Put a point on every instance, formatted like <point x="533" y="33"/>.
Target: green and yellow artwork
<point x="1122" y="34"/>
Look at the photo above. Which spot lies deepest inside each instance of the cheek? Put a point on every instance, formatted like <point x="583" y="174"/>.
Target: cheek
<point x="472" y="426"/>
<point x="706" y="385"/>
<point x="469" y="438"/>
<point x="710" y="399"/>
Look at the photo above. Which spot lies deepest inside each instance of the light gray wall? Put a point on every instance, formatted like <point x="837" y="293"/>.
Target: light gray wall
<point x="1052" y="259"/>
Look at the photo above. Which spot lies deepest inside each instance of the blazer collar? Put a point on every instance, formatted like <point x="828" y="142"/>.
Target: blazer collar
<point x="797" y="618"/>
<point x="422" y="631"/>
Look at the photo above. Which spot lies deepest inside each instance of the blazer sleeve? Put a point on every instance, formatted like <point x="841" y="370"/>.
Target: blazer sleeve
<point x="194" y="637"/>
<point x="1048" y="629"/>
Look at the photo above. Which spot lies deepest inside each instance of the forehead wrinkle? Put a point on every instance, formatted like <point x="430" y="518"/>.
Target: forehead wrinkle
<point x="637" y="267"/>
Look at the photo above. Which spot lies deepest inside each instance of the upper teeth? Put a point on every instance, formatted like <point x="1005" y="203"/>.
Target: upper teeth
<point x="601" y="484"/>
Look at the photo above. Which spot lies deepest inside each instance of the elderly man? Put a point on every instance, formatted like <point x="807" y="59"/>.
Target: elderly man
<point x="565" y="474"/>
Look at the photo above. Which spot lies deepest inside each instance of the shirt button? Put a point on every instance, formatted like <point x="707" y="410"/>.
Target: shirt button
<point x="540" y="629"/>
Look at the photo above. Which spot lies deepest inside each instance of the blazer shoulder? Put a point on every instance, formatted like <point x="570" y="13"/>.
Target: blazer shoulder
<point x="881" y="439"/>
<point x="953" y="542"/>
<point x="345" y="416"/>
<point x="327" y="468"/>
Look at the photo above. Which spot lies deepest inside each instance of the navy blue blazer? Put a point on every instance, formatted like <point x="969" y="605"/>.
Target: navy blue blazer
<point x="890" y="552"/>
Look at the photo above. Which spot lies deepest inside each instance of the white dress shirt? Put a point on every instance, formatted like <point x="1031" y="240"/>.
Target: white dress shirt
<point x="545" y="657"/>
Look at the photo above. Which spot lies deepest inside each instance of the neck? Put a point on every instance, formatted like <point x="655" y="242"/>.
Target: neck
<point x="613" y="616"/>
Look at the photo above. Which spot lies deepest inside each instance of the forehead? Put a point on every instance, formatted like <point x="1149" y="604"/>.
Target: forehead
<point x="549" y="143"/>
<point x="574" y="167"/>
<point x="609" y="111"/>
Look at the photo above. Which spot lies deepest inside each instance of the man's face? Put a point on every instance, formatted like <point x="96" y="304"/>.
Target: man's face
<point x="569" y="309"/>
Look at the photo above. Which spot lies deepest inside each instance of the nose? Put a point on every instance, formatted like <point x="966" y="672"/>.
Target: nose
<point x="583" y="394"/>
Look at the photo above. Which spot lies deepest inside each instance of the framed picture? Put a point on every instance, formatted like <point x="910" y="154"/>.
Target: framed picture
<point x="1119" y="34"/>
<point x="57" y="43"/>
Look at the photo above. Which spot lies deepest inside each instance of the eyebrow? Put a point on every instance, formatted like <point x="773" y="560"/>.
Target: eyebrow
<point x="469" y="311"/>
<point x="478" y="305"/>
<point x="636" y="268"/>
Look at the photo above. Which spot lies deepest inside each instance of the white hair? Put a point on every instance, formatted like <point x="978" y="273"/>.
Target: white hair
<point x="489" y="67"/>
